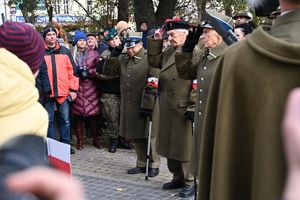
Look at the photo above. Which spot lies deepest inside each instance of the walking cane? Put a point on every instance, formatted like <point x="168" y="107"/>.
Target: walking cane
<point x="195" y="177"/>
<point x="195" y="185"/>
<point x="148" y="148"/>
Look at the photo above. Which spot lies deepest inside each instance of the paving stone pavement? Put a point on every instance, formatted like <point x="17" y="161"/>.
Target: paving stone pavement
<point x="104" y="176"/>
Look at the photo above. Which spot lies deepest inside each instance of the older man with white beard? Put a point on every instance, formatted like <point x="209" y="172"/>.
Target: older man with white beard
<point x="241" y="146"/>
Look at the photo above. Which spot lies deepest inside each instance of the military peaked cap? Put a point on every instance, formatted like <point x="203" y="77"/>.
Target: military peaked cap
<point x="223" y="20"/>
<point x="132" y="38"/>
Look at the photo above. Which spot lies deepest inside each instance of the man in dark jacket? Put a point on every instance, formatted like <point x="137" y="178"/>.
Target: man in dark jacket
<point x="103" y="45"/>
<point x="143" y="28"/>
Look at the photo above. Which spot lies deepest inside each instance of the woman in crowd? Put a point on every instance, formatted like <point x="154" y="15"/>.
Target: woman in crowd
<point x="87" y="102"/>
<point x="123" y="28"/>
<point x="242" y="30"/>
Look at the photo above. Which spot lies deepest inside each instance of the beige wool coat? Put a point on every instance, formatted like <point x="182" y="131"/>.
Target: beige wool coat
<point x="241" y="147"/>
<point x="135" y="92"/>
<point x="174" y="139"/>
<point x="203" y="71"/>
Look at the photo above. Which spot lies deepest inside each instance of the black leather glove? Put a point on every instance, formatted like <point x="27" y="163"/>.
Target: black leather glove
<point x="117" y="51"/>
<point x="190" y="115"/>
<point x="146" y="112"/>
<point x="46" y="98"/>
<point x="192" y="39"/>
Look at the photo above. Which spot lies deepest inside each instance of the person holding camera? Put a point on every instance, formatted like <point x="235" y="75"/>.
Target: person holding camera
<point x="87" y="102"/>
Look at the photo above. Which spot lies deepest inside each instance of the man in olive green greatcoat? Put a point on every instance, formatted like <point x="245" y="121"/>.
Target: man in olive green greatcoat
<point x="177" y="98"/>
<point x="203" y="71"/>
<point x="241" y="145"/>
<point x="139" y="85"/>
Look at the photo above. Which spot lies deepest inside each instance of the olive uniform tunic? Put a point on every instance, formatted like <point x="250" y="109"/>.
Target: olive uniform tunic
<point x="174" y="138"/>
<point x="203" y="71"/>
<point x="135" y="92"/>
<point x="241" y="147"/>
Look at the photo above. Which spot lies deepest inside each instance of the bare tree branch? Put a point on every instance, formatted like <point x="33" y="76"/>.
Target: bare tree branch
<point x="87" y="13"/>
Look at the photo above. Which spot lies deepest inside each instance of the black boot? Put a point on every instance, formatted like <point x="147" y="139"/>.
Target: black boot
<point x="113" y="145"/>
<point x="123" y="144"/>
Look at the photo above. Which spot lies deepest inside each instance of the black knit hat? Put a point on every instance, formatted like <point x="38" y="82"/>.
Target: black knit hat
<point x="91" y="34"/>
<point x="176" y="24"/>
<point x="48" y="29"/>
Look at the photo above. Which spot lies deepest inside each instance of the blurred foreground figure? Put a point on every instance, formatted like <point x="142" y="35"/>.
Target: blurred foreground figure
<point x="22" y="54"/>
<point x="241" y="146"/>
<point x="291" y="138"/>
<point x="45" y="182"/>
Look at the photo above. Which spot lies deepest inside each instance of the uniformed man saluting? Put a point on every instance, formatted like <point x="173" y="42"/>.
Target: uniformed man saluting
<point x="175" y="129"/>
<point x="139" y="85"/>
<point x="203" y="71"/>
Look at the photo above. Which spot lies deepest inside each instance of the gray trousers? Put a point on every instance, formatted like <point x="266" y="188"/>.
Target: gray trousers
<point x="141" y="152"/>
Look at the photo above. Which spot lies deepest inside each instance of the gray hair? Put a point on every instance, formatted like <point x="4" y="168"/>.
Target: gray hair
<point x="182" y="31"/>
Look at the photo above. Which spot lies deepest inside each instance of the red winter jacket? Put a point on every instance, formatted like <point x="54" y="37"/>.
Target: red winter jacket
<point x="61" y="66"/>
<point x="87" y="102"/>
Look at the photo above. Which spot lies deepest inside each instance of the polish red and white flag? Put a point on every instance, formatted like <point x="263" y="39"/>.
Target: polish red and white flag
<point x="59" y="155"/>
